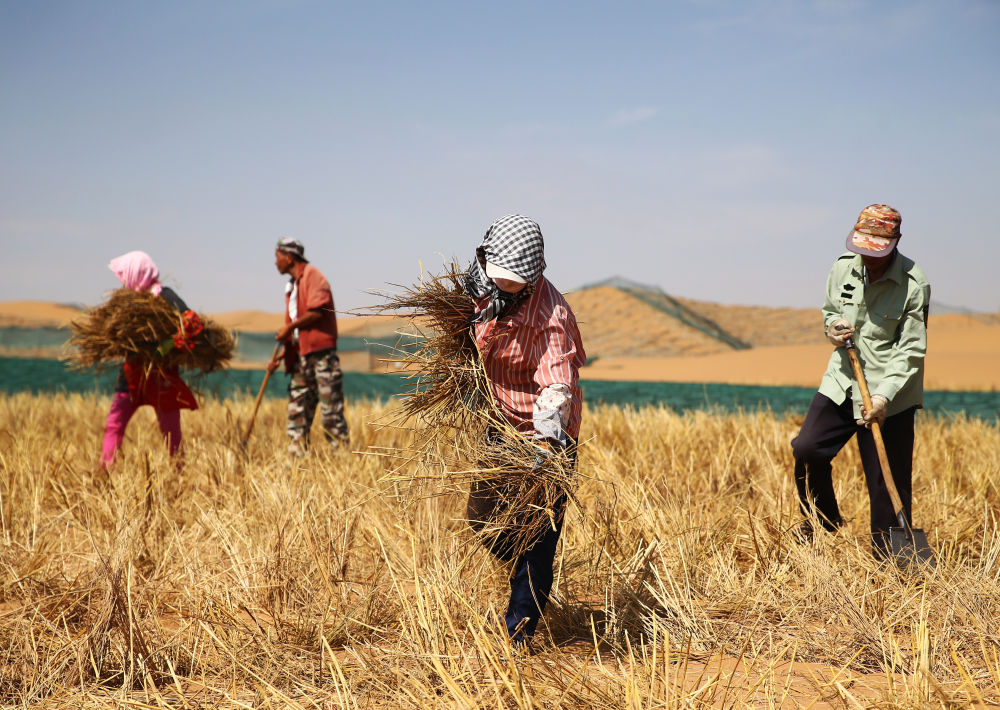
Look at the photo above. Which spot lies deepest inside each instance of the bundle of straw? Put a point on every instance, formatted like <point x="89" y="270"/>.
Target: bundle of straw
<point x="462" y="440"/>
<point x="137" y="325"/>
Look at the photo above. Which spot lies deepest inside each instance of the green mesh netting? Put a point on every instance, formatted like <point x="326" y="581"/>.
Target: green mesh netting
<point x="43" y="376"/>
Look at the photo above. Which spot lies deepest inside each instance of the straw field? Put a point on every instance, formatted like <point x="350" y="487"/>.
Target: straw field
<point x="245" y="579"/>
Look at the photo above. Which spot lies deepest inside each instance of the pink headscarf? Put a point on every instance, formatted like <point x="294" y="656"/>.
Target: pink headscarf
<point x="137" y="271"/>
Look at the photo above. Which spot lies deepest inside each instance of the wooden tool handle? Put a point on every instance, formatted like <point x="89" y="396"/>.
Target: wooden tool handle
<point x="260" y="395"/>
<point x="883" y="458"/>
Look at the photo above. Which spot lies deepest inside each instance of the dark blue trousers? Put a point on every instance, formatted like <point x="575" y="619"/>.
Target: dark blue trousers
<point x="825" y="431"/>
<point x="531" y="577"/>
<point x="531" y="580"/>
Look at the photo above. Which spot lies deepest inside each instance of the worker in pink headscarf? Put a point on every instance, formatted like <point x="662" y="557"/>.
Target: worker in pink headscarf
<point x="161" y="388"/>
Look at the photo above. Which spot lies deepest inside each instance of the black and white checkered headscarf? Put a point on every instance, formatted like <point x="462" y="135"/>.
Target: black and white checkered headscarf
<point x="514" y="243"/>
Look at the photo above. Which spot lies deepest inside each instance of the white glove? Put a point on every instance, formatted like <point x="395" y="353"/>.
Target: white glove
<point x="551" y="412"/>
<point x="877" y="412"/>
<point x="838" y="332"/>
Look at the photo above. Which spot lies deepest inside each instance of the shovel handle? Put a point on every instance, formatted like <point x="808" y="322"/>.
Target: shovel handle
<point x="260" y="395"/>
<point x="883" y="458"/>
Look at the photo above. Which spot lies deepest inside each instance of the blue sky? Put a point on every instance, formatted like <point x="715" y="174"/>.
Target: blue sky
<point x="720" y="150"/>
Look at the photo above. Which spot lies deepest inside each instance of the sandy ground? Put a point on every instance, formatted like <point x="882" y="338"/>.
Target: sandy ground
<point x="35" y="314"/>
<point x="963" y="353"/>
<point x="967" y="364"/>
<point x="633" y="341"/>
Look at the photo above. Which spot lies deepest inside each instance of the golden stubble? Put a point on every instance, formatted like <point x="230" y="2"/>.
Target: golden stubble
<point x="243" y="578"/>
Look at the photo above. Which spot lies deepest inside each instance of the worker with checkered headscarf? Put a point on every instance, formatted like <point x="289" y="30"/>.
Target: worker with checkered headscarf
<point x="532" y="352"/>
<point x="880" y="299"/>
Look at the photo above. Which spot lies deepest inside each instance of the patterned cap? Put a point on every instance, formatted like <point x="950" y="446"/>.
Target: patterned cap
<point x="876" y="231"/>
<point x="293" y="247"/>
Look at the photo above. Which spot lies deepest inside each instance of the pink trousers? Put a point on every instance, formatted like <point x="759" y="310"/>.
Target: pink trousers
<point x="122" y="409"/>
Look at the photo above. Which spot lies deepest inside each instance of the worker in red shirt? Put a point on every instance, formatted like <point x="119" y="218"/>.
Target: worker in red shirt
<point x="309" y="337"/>
<point x="532" y="352"/>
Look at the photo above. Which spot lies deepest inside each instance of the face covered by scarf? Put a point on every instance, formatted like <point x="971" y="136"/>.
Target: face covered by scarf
<point x="514" y="243"/>
<point x="137" y="271"/>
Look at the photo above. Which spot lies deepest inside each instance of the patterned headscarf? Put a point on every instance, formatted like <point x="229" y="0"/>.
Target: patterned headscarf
<point x="514" y="243"/>
<point x="137" y="271"/>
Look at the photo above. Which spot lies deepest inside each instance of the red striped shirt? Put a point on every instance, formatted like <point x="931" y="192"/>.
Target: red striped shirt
<point x="539" y="345"/>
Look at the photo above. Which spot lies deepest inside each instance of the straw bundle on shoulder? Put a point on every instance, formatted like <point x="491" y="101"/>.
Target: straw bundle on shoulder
<point x="138" y="325"/>
<point x="446" y="377"/>
<point x="463" y="441"/>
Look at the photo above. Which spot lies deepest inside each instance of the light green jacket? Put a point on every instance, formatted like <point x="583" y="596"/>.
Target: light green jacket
<point x="890" y="331"/>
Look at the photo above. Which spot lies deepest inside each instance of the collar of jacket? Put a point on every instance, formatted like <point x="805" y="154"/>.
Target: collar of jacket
<point x="893" y="273"/>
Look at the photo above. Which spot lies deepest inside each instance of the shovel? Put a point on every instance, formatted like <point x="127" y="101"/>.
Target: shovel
<point x="260" y="396"/>
<point x="908" y="544"/>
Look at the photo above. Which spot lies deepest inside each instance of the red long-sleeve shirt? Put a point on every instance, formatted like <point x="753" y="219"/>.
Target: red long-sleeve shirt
<point x="538" y="346"/>
<point x="314" y="295"/>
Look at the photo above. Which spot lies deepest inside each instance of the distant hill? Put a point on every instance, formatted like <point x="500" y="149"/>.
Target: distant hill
<point x="621" y="318"/>
<point x="941" y="309"/>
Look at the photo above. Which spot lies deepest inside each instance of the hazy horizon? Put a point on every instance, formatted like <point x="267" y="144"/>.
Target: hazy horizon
<point x="719" y="150"/>
<point x="278" y="309"/>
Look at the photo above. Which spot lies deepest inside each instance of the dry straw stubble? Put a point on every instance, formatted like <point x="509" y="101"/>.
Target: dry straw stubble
<point x="259" y="581"/>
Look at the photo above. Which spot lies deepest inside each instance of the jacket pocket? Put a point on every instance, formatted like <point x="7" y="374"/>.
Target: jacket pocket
<point x="885" y="315"/>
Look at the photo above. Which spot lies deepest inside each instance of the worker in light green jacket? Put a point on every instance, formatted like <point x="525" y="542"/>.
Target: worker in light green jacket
<point x="880" y="298"/>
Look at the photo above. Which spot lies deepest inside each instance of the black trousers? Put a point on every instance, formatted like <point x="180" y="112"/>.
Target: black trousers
<point x="825" y="431"/>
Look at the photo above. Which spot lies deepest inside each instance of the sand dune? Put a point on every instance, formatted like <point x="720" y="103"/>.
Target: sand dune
<point x="265" y="322"/>
<point x="763" y="326"/>
<point x="632" y="340"/>
<point x="968" y="362"/>
<point x="36" y="314"/>
<point x="250" y="321"/>
<point x="615" y="324"/>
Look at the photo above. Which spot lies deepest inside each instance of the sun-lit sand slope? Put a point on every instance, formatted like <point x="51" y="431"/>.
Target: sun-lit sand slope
<point x="35" y="314"/>
<point x="962" y="355"/>
<point x="761" y="326"/>
<point x="788" y="346"/>
<point x="615" y="324"/>
<point x="634" y="341"/>
<point x="631" y="340"/>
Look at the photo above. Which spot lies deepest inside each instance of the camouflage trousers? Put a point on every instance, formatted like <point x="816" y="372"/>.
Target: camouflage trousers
<point x="317" y="379"/>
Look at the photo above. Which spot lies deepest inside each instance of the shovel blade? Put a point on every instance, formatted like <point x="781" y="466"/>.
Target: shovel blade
<point x="909" y="550"/>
